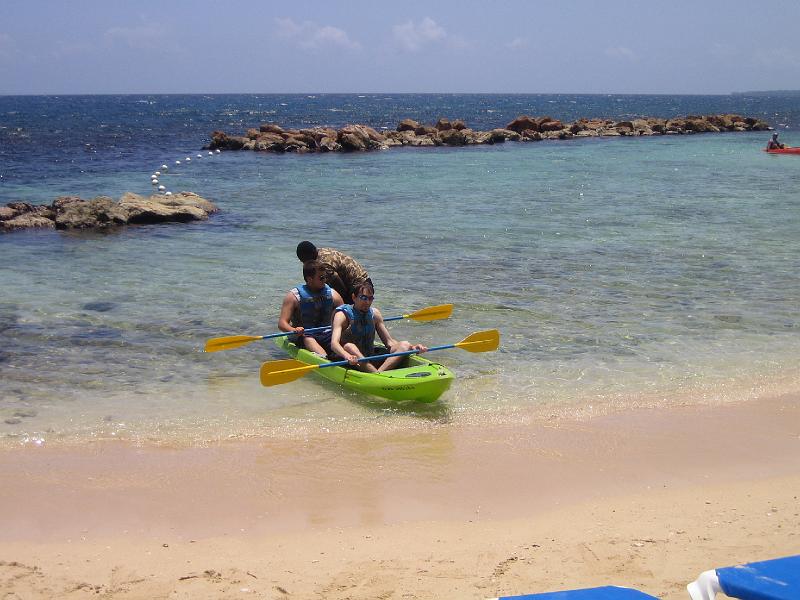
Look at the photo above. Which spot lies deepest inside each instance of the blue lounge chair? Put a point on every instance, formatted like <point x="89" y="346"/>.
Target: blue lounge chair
<point x="609" y="592"/>
<point x="777" y="579"/>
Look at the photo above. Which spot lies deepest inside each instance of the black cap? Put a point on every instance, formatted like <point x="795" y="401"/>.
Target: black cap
<point x="306" y="251"/>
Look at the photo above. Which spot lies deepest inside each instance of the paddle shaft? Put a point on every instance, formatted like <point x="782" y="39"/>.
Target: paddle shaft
<point x="340" y="363"/>
<point x="276" y="335"/>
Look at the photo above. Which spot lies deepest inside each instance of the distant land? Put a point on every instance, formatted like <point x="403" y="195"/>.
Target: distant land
<point x="768" y="93"/>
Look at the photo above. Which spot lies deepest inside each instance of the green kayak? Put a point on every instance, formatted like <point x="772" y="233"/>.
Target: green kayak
<point x="418" y="380"/>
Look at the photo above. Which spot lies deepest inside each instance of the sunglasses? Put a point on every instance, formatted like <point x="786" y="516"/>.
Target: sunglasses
<point x="364" y="297"/>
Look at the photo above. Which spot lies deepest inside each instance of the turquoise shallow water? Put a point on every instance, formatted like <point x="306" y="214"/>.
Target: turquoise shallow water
<point x="621" y="272"/>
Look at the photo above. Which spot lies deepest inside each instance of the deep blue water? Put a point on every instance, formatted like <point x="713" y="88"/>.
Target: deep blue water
<point x="620" y="271"/>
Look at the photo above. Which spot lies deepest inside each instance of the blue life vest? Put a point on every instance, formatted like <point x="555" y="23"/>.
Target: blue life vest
<point x="316" y="309"/>
<point x="361" y="330"/>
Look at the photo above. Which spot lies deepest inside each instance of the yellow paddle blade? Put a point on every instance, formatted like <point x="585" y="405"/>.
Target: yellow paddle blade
<point x="432" y="313"/>
<point x="276" y="372"/>
<point x="230" y="342"/>
<point x="481" y="341"/>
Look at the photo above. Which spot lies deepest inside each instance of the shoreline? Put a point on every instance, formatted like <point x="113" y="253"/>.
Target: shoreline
<point x="645" y="498"/>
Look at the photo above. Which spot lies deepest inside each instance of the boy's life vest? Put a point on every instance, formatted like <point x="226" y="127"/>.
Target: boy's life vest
<point x="360" y="328"/>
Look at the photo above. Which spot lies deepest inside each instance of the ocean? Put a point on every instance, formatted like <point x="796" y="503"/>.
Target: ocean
<point x="620" y="272"/>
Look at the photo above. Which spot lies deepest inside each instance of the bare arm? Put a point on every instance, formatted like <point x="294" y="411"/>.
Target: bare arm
<point x="287" y="308"/>
<point x="339" y="323"/>
<point x="337" y="299"/>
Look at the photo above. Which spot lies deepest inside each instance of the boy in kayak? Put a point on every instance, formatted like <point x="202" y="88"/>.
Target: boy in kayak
<point x="354" y="329"/>
<point x="774" y="144"/>
<point x="310" y="305"/>
<point x="342" y="272"/>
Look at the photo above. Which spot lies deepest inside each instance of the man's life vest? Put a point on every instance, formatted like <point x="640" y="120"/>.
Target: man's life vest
<point x="316" y="308"/>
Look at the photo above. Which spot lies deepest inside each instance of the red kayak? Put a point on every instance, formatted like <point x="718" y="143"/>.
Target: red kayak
<point x="795" y="150"/>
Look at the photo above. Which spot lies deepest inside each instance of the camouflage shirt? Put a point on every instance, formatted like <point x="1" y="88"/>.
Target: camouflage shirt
<point x="348" y="270"/>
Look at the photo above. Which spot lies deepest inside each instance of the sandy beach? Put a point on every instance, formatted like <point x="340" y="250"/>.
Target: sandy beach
<point x="644" y="498"/>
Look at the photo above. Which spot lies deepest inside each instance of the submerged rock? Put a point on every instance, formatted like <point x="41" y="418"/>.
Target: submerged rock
<point x="72" y="212"/>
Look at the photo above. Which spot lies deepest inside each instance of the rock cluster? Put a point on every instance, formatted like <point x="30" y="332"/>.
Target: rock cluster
<point x="71" y="212"/>
<point x="273" y="138"/>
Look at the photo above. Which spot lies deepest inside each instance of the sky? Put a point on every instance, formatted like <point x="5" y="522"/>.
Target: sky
<point x="363" y="46"/>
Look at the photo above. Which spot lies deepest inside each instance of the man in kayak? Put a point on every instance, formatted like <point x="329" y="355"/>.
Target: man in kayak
<point x="342" y="272"/>
<point x="354" y="329"/>
<point x="310" y="305"/>
<point x="774" y="144"/>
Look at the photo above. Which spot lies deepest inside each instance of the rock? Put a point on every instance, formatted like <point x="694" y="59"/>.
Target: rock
<point x="20" y="207"/>
<point x="142" y="210"/>
<point x="452" y="137"/>
<point x="270" y="128"/>
<point x="100" y="212"/>
<point x="498" y="136"/>
<point x="459" y="124"/>
<point x="329" y="144"/>
<point x="522" y="123"/>
<point x="27" y="221"/>
<point x="443" y="125"/>
<point x="549" y="124"/>
<point x="6" y="212"/>
<point x="408" y="125"/>
<point x="426" y="130"/>
<point x="352" y="142"/>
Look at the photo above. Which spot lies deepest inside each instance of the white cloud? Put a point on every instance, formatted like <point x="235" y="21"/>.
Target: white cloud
<point x="517" y="43"/>
<point x="311" y="36"/>
<point x="141" y="36"/>
<point x="412" y="37"/>
<point x="620" y="52"/>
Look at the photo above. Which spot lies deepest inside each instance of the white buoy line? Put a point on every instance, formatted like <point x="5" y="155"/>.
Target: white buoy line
<point x="155" y="177"/>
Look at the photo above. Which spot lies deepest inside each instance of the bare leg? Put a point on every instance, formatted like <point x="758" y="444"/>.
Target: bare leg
<point x="395" y="361"/>
<point x="364" y="366"/>
<point x="314" y="346"/>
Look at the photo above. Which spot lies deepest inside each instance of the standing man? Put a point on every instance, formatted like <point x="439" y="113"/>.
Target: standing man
<point x="310" y="305"/>
<point x="342" y="272"/>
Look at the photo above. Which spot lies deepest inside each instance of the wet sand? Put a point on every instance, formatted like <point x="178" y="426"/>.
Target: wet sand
<point x="643" y="498"/>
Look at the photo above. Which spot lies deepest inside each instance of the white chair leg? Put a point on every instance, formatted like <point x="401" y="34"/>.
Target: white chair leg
<point x="706" y="587"/>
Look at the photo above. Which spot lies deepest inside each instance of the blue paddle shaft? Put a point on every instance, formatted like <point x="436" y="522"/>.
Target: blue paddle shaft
<point x="340" y="363"/>
<point x="276" y="335"/>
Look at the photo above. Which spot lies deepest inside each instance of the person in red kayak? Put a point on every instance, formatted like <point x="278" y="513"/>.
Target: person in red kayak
<point x="310" y="305"/>
<point x="774" y="144"/>
<point x="354" y="329"/>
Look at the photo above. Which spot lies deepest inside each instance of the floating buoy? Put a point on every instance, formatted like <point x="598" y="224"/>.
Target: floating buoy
<point x="153" y="176"/>
<point x="161" y="188"/>
<point x="158" y="173"/>
<point x="168" y="194"/>
<point x="177" y="162"/>
<point x="188" y="158"/>
<point x="154" y="181"/>
<point x="211" y="154"/>
<point x="199" y="156"/>
<point x="164" y="168"/>
<point x="218" y="150"/>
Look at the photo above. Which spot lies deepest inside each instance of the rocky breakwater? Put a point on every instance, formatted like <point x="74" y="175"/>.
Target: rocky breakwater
<point x="71" y="212"/>
<point x="354" y="138"/>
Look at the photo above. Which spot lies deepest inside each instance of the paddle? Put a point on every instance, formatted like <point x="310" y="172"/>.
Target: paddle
<point x="276" y="372"/>
<point x="431" y="313"/>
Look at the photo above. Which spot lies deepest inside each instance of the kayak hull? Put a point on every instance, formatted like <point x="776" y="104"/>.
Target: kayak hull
<point x="418" y="380"/>
<point x="794" y="150"/>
